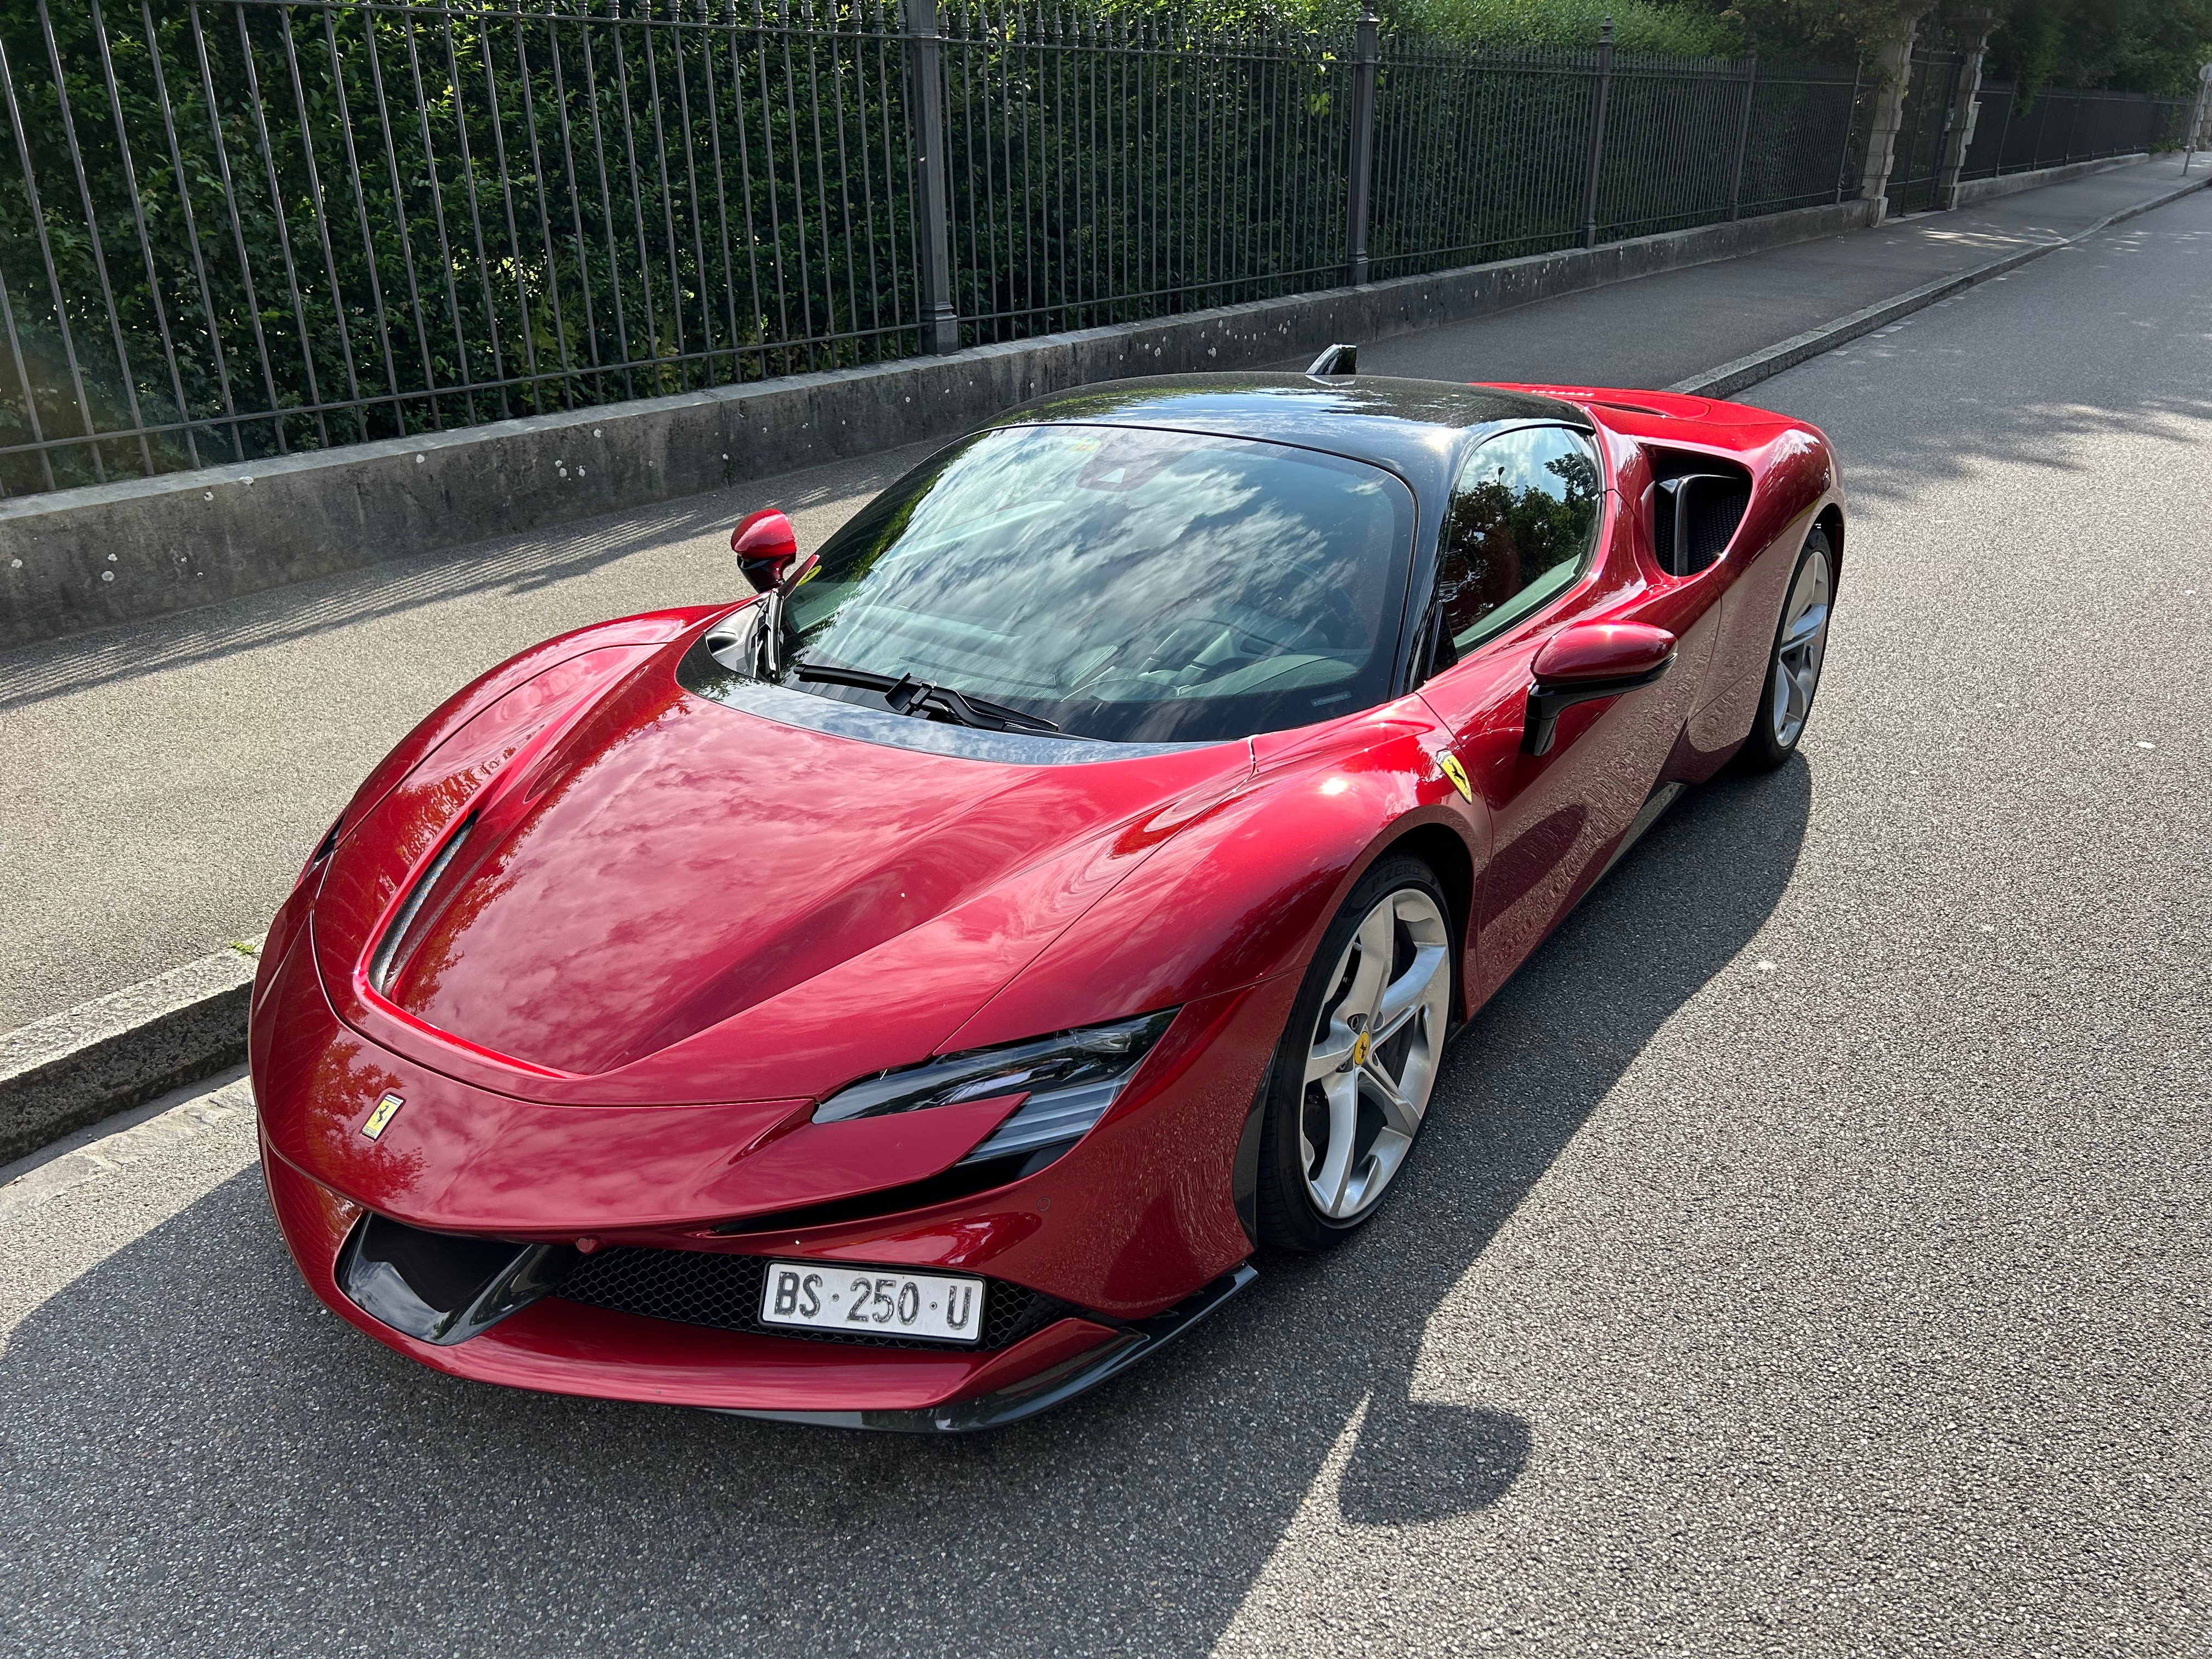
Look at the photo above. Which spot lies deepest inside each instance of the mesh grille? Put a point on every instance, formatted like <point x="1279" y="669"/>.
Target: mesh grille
<point x="1715" y="512"/>
<point x="697" y="1287"/>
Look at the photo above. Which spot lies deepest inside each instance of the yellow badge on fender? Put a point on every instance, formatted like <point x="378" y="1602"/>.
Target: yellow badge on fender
<point x="386" y="1109"/>
<point x="1457" y="774"/>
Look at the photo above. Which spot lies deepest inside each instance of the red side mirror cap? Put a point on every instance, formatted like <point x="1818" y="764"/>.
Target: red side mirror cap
<point x="1602" y="651"/>
<point x="765" y="544"/>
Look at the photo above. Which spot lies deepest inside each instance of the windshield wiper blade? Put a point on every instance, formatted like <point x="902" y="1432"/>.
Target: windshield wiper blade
<point x="908" y="696"/>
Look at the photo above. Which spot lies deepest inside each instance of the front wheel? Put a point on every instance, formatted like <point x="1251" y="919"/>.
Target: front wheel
<point x="1352" y="1080"/>
<point x="1793" y="671"/>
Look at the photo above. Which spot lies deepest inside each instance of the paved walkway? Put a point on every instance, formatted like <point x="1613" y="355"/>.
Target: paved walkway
<point x="159" y="782"/>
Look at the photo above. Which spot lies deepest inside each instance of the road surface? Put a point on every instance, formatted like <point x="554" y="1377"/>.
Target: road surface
<point x="1807" y="1253"/>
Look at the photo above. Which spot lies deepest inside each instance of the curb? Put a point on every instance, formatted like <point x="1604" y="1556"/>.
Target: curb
<point x="1731" y="377"/>
<point x="104" y="1056"/>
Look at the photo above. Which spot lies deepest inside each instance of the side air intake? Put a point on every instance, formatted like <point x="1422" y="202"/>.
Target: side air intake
<point x="1695" y="505"/>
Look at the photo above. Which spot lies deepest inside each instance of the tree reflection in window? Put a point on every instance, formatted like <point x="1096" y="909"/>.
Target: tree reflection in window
<point x="1518" y="528"/>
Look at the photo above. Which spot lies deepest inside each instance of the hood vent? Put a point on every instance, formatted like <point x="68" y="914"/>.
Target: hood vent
<point x="384" y="966"/>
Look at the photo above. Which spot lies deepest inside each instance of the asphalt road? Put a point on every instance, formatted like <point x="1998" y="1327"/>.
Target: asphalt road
<point x="1807" y="1252"/>
<point x="161" y="782"/>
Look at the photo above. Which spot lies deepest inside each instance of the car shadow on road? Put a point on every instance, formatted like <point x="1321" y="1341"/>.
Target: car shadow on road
<point x="202" y="1457"/>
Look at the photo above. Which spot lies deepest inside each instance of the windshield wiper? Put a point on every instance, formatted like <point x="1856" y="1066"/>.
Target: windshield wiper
<point x="908" y="696"/>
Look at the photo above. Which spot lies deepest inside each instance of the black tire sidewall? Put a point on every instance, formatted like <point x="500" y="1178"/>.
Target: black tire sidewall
<point x="1288" y="1220"/>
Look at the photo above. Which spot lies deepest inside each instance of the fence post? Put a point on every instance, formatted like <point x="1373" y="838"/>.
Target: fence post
<point x="1892" y="67"/>
<point x="1965" y="115"/>
<point x="2196" y="117"/>
<point x="1365" y="58"/>
<point x="1742" y="137"/>
<point x="1598" y="97"/>
<point x="940" y="323"/>
<point x="1850" y="124"/>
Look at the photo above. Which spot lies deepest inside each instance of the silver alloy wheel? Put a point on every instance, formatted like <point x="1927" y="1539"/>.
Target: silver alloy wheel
<point x="1804" y="642"/>
<point x="1373" y="1058"/>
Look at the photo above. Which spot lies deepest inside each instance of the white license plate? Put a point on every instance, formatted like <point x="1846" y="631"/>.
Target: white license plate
<point x="869" y="1302"/>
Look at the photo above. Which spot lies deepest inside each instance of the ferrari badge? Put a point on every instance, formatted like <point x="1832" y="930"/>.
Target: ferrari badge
<point x="1361" y="1045"/>
<point x="386" y="1109"/>
<point x="1457" y="774"/>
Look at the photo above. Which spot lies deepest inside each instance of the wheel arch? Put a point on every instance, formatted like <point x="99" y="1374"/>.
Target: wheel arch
<point x="1830" y="519"/>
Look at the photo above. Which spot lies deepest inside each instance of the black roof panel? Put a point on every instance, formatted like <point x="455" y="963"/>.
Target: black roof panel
<point x="1366" y="417"/>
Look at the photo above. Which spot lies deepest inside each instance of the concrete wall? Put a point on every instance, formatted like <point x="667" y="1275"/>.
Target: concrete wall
<point x="81" y="559"/>
<point x="1971" y="190"/>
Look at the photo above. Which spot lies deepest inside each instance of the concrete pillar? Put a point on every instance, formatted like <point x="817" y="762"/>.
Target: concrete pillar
<point x="1964" y="108"/>
<point x="1892" y="70"/>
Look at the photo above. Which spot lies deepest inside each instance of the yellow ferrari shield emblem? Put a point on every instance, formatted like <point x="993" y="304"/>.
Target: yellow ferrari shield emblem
<point x="1457" y="774"/>
<point x="1361" y="1045"/>
<point x="386" y="1109"/>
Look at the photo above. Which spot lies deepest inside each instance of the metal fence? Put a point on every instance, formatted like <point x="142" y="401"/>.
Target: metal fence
<point x="233" y="229"/>
<point x="2063" y="126"/>
<point x="1931" y="94"/>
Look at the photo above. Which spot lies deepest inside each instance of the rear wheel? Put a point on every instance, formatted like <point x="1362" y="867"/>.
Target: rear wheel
<point x="1793" y="672"/>
<point x="1352" y="1080"/>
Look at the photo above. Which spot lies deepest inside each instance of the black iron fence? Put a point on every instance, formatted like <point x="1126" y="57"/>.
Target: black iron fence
<point x="233" y="229"/>
<point x="2063" y="126"/>
<point x="1915" y="165"/>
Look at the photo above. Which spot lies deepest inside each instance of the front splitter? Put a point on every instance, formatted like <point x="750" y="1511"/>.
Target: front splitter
<point x="1054" y="1386"/>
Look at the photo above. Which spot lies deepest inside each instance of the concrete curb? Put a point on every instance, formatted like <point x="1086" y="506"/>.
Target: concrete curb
<point x="103" y="1056"/>
<point x="1731" y="377"/>
<point x="1971" y="190"/>
<point x="81" y="559"/>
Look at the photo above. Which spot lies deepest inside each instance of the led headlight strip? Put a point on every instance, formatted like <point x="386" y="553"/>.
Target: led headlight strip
<point x="1072" y="1077"/>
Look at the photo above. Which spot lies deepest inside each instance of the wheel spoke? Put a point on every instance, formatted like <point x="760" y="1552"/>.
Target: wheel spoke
<point x="1335" y="1172"/>
<point x="1405" y="994"/>
<point x="1374" y="940"/>
<point x="1331" y="1053"/>
<point x="1400" y="1113"/>
<point x="1806" y="629"/>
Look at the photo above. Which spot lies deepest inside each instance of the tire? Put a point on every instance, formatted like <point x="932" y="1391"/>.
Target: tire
<point x="1365" y="1112"/>
<point x="1793" y="667"/>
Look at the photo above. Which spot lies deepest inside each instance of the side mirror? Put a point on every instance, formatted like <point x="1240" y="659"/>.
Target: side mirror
<point x="1339" y="359"/>
<point x="766" y="545"/>
<point x="1589" y="661"/>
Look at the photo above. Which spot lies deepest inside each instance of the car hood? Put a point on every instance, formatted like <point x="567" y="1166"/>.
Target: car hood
<point x="647" y="891"/>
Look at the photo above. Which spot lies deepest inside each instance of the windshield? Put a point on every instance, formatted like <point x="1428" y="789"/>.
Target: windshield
<point x="1120" y="583"/>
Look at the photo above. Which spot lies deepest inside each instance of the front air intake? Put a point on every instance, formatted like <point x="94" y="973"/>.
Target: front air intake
<point x="700" y="1287"/>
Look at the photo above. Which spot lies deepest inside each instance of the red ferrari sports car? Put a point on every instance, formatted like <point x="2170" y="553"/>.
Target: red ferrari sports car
<point x="908" y="995"/>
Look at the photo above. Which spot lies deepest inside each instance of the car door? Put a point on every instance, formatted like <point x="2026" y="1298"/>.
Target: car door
<point x="1533" y="542"/>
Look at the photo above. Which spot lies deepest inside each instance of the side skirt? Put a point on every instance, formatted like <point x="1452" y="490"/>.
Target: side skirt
<point x="1661" y="799"/>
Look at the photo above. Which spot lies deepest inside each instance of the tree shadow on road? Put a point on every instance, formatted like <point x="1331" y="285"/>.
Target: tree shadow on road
<point x="202" y="1458"/>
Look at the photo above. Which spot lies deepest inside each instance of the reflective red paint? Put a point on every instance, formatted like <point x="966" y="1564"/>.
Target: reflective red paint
<point x="672" y="927"/>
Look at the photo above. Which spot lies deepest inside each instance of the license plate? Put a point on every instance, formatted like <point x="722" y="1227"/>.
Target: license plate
<point x="869" y="1302"/>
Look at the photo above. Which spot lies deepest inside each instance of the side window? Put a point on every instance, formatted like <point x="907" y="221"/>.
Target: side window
<point x="1522" y="517"/>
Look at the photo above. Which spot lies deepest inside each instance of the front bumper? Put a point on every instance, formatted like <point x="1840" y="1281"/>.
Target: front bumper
<point x="1127" y="1240"/>
<point x="559" y="1346"/>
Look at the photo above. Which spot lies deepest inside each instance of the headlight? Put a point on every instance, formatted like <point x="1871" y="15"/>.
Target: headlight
<point x="1072" y="1077"/>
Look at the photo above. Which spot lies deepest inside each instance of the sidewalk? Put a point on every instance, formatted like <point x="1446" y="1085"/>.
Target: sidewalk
<point x="161" y="782"/>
